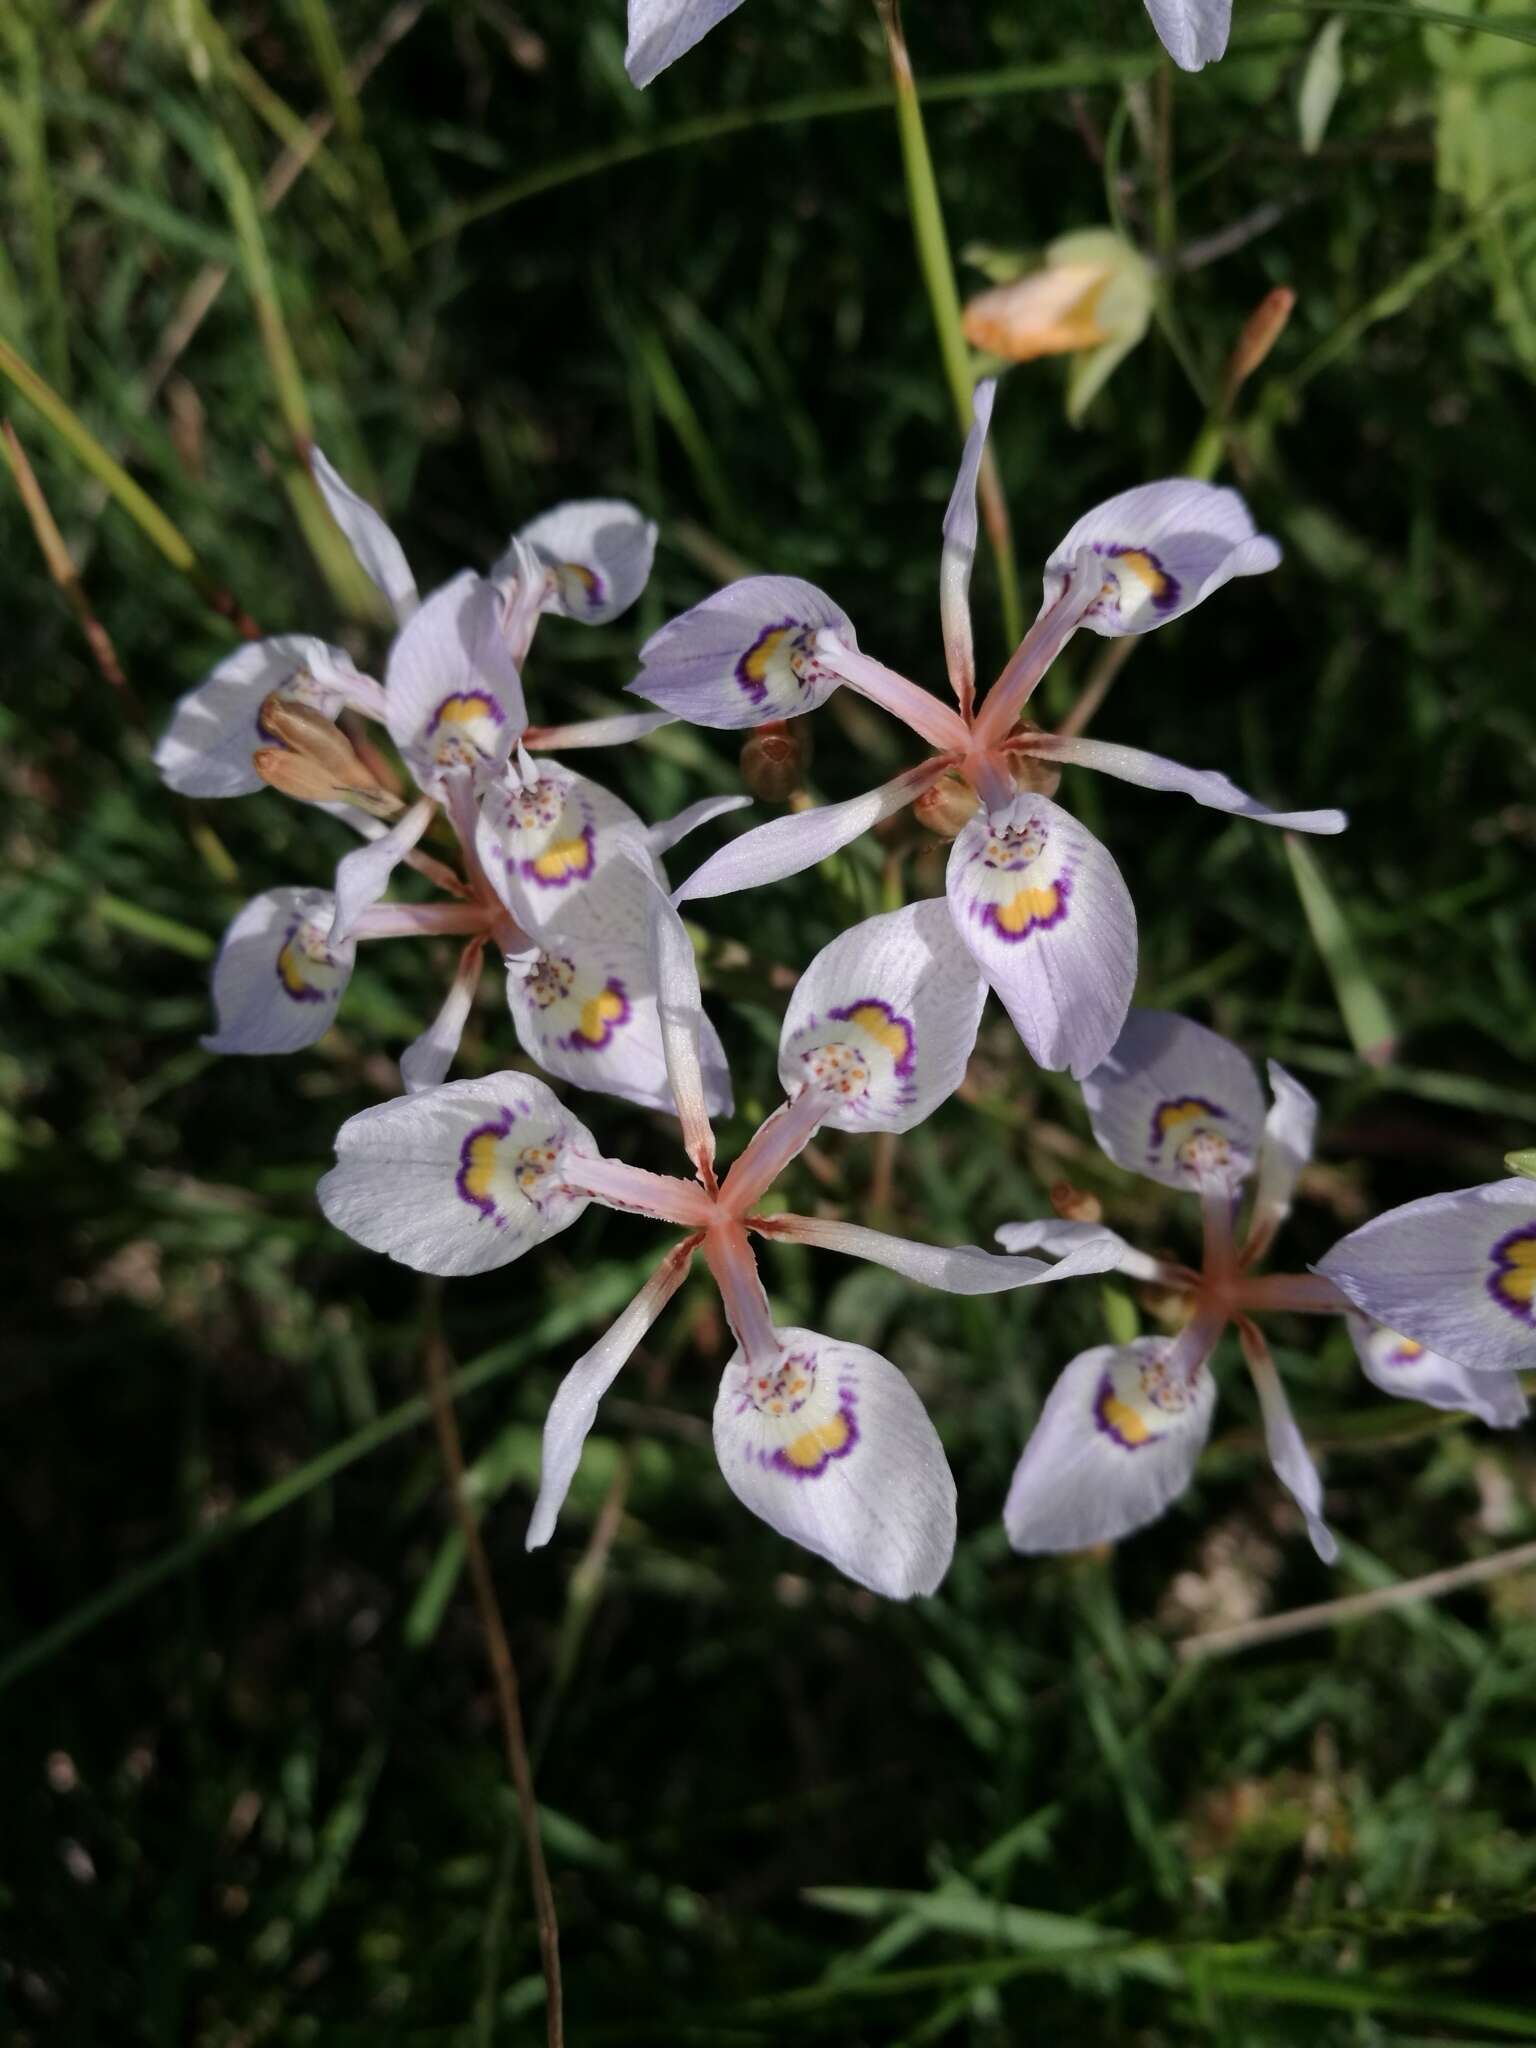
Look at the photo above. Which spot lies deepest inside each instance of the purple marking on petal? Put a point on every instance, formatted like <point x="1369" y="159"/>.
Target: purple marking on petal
<point x="601" y="1016"/>
<point x="290" y="975"/>
<point x="460" y="706"/>
<point x="1029" y="911"/>
<point x="894" y="1023"/>
<point x="1178" y="1109"/>
<point x="470" y="1166"/>
<point x="780" y="1461"/>
<point x="554" y="868"/>
<point x="1164" y="590"/>
<point x="751" y="670"/>
<point x="1512" y="1283"/>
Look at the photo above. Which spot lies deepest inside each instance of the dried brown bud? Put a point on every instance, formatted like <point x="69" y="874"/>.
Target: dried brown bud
<point x="946" y="807"/>
<point x="773" y="762"/>
<point x="1075" y="1205"/>
<point x="1261" y="330"/>
<point x="314" y="761"/>
<point x="1031" y="775"/>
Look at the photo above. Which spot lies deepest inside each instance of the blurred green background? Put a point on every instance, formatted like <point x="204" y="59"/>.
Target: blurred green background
<point x="252" y="1789"/>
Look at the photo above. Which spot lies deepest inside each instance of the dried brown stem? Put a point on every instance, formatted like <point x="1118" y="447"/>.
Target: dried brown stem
<point x="1098" y="686"/>
<point x="503" y="1673"/>
<point x="1222" y="1642"/>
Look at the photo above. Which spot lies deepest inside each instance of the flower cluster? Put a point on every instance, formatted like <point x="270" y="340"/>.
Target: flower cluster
<point x="822" y="1438"/>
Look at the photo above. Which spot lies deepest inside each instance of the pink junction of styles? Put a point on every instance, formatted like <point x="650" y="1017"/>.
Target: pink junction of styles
<point x="1038" y="901"/>
<point x="824" y="1440"/>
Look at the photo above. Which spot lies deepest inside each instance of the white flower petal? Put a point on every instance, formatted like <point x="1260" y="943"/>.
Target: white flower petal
<point x="452" y="691"/>
<point x="661" y="31"/>
<point x="543" y="835"/>
<point x="1409" y="1372"/>
<point x="1175" y="1102"/>
<point x="379" y="554"/>
<point x="1160" y="550"/>
<point x="883" y="1020"/>
<point x="599" y="553"/>
<point x="830" y="1446"/>
<point x="1193" y="32"/>
<point x="1117" y="1441"/>
<point x="279" y="977"/>
<point x="215" y="729"/>
<point x="958" y="1269"/>
<point x="1047" y="918"/>
<point x="788" y="846"/>
<point x="1207" y="786"/>
<point x="745" y="655"/>
<point x="959" y="551"/>
<point x="458" y="1179"/>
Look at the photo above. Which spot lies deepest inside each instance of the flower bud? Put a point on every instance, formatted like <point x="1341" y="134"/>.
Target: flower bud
<point x="314" y="761"/>
<point x="1075" y="1205"/>
<point x="1261" y="330"/>
<point x="774" y="760"/>
<point x="1033" y="776"/>
<point x="946" y="807"/>
<point x="1090" y="297"/>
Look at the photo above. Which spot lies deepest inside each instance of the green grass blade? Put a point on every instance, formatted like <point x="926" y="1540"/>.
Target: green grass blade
<point x="1367" y="1019"/>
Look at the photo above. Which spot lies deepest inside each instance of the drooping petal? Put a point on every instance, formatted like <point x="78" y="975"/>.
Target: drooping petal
<point x="1455" y="1272"/>
<point x="1060" y="1240"/>
<point x="617" y="731"/>
<point x="585" y="1004"/>
<point x="830" y="1446"/>
<point x="543" y="834"/>
<point x="661" y="31"/>
<point x="598" y="553"/>
<point x="1117" y="1442"/>
<point x="959" y="552"/>
<point x="1193" y="32"/>
<point x="1177" y="1103"/>
<point x="1288" y="1454"/>
<point x="215" y="729"/>
<point x="958" y="1269"/>
<point x="363" y="875"/>
<point x="426" y="1060"/>
<point x="1286" y="1146"/>
<point x="1047" y="918"/>
<point x="458" y="1179"/>
<point x="1160" y="550"/>
<point x="1406" y="1370"/>
<point x="883" y="1020"/>
<point x="1206" y="785"/>
<point x="787" y="846"/>
<point x="744" y="656"/>
<point x="453" y="694"/>
<point x="279" y="977"/>
<point x="574" y="1408"/>
<point x="379" y="554"/>
<point x="660" y="839"/>
<point x="688" y="1042"/>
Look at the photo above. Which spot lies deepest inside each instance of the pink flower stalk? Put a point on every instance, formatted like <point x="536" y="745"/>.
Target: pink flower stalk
<point x="823" y="1439"/>
<point x="1123" y="1428"/>
<point x="1039" y="902"/>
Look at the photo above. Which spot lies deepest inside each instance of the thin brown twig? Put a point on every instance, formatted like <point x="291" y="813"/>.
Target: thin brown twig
<point x="61" y="567"/>
<point x="503" y="1672"/>
<point x="1222" y="1642"/>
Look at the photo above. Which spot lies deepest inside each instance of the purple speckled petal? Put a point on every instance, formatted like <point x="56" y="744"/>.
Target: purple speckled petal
<point x="1159" y="551"/>
<point x="745" y="655"/>
<point x="280" y="977"/>
<point x="1175" y="1101"/>
<point x="1405" y="1369"/>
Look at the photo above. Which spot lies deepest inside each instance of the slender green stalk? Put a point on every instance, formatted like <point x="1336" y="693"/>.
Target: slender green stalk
<point x="140" y="507"/>
<point x="938" y="268"/>
<point x="1367" y="1019"/>
<point x="256" y="265"/>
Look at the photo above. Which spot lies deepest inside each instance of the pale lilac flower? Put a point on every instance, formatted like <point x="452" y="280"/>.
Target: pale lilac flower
<point x="1123" y="1428"/>
<point x="1193" y="32"/>
<point x="1038" y="901"/>
<point x="1455" y="1273"/>
<point x="216" y="729"/>
<point x="824" y="1440"/>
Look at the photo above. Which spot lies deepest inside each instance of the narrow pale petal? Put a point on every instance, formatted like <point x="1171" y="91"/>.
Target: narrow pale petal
<point x="598" y="553"/>
<point x="1455" y="1272"/>
<point x="1158" y="551"/>
<point x="661" y="839"/>
<point x="661" y="31"/>
<point x="363" y="875"/>
<point x="916" y="707"/>
<point x="1288" y="1454"/>
<point x="958" y="1269"/>
<point x="744" y="656"/>
<point x="959" y="552"/>
<point x="680" y="1008"/>
<point x="617" y="731"/>
<point x="1047" y="918"/>
<point x="426" y="1060"/>
<point x="215" y="730"/>
<point x="379" y="554"/>
<point x="1406" y="1370"/>
<point x="882" y="1022"/>
<point x="458" y="1179"/>
<point x="1285" y="1150"/>
<point x="452" y="690"/>
<point x="1059" y="1240"/>
<point x="1206" y="785"/>
<point x="280" y="976"/>
<point x="828" y="1444"/>
<point x="1117" y="1442"/>
<point x="574" y="1408"/>
<point x="788" y="846"/>
<point x="1177" y="1103"/>
<point x="1193" y="32"/>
